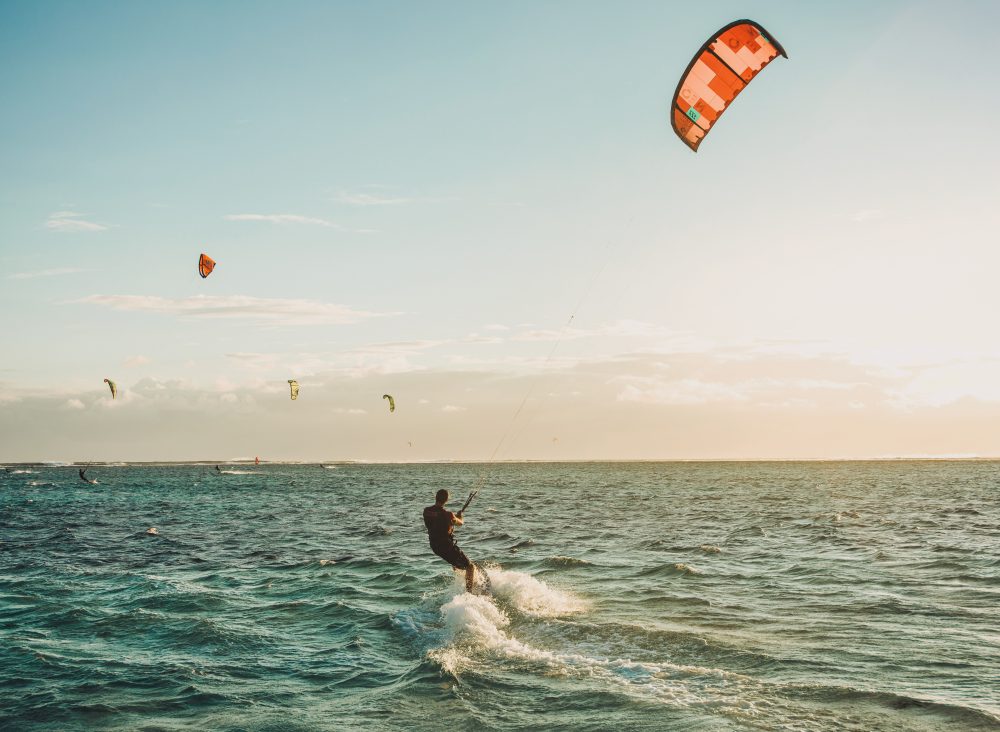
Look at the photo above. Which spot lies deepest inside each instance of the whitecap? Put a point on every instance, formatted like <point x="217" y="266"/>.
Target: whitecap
<point x="561" y="561"/>
<point x="686" y="569"/>
<point x="530" y="596"/>
<point x="478" y="629"/>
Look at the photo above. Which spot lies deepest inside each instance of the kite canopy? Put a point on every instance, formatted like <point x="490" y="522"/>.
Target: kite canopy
<point x="113" y="387"/>
<point x="721" y="69"/>
<point x="392" y="402"/>
<point x="293" y="385"/>
<point x="205" y="265"/>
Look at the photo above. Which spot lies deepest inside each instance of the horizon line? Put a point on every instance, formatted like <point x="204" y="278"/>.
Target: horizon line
<point x="541" y="461"/>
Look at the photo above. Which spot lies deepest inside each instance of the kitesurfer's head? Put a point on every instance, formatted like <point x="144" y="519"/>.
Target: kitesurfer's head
<point x="441" y="497"/>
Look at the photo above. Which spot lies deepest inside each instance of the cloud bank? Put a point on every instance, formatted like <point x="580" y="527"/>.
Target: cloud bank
<point x="276" y="311"/>
<point x="71" y="221"/>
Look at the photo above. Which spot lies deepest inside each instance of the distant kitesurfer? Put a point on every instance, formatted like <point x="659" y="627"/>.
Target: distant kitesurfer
<point x="440" y="524"/>
<point x="84" y="478"/>
<point x="218" y="469"/>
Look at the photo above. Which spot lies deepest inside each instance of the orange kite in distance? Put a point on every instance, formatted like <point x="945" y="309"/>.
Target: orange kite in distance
<point x="205" y="265"/>
<point x="721" y="69"/>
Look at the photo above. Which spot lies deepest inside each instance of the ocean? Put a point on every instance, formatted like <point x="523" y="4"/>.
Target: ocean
<point x="626" y="596"/>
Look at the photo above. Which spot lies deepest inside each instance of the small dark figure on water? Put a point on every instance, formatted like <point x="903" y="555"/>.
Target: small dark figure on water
<point x="440" y="523"/>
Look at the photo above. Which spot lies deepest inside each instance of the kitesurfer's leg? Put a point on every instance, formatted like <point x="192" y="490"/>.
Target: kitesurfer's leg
<point x="470" y="577"/>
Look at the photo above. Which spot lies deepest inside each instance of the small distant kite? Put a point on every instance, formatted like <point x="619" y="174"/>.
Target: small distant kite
<point x="113" y="387"/>
<point x="293" y="385"/>
<point x="205" y="265"/>
<point x="721" y="69"/>
<point x="392" y="402"/>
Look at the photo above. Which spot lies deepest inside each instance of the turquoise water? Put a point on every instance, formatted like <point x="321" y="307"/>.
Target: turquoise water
<point x="697" y="596"/>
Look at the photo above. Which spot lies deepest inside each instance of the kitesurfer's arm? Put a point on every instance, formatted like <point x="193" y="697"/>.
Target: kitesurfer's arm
<point x="456" y="519"/>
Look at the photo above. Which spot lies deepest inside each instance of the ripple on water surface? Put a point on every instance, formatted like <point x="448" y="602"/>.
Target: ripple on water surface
<point x="792" y="596"/>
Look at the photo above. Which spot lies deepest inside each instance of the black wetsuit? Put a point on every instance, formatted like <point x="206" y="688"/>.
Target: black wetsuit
<point x="439" y="528"/>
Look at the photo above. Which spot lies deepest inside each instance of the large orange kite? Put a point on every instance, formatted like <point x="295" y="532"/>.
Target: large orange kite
<point x="721" y="69"/>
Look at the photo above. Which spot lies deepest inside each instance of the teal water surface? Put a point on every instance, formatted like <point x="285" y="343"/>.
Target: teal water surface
<point x="659" y="596"/>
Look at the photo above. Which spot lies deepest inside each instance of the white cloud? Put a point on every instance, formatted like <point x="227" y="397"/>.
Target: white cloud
<point x="46" y="273"/>
<point x="400" y="346"/>
<point x="718" y="378"/>
<point x="948" y="383"/>
<point x="368" y="199"/>
<point x="73" y="404"/>
<point x="259" y="309"/>
<point x="618" y="329"/>
<point x="342" y="410"/>
<point x="566" y="334"/>
<point x="451" y="408"/>
<point x="71" y="221"/>
<point x="681" y="391"/>
<point x="254" y="359"/>
<point x="283" y="219"/>
<point x="134" y="361"/>
<point x="375" y="358"/>
<point x="496" y="326"/>
<point x="476" y="338"/>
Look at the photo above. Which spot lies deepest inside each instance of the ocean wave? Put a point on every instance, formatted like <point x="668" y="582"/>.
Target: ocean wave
<point x="561" y="561"/>
<point x="677" y="569"/>
<point x="501" y="536"/>
<point x="476" y="623"/>
<point x="308" y="603"/>
<point x="478" y="631"/>
<point x="662" y="545"/>
<point x="971" y="717"/>
<point x="531" y="596"/>
<point x="744" y="532"/>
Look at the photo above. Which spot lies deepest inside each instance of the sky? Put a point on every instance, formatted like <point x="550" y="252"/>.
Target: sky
<point x="482" y="210"/>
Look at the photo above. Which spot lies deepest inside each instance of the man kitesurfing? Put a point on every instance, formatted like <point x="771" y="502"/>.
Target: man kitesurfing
<point x="441" y="524"/>
<point x="85" y="479"/>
